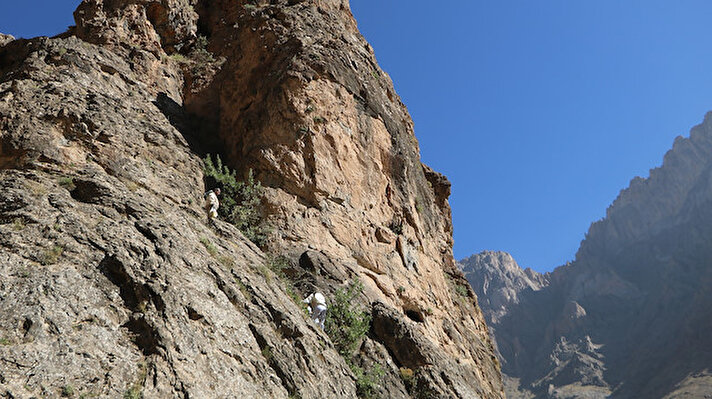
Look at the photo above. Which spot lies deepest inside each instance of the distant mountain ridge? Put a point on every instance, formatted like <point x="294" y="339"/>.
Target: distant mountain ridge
<point x="631" y="317"/>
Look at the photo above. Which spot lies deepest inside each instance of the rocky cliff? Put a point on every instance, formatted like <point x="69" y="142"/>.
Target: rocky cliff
<point x="630" y="317"/>
<point x="114" y="284"/>
<point x="498" y="281"/>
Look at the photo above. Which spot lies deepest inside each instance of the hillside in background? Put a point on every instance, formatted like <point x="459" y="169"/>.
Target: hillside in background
<point x="114" y="284"/>
<point x="631" y="316"/>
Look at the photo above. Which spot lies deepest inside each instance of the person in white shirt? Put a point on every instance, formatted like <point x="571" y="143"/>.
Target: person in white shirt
<point x="212" y="203"/>
<point x="316" y="304"/>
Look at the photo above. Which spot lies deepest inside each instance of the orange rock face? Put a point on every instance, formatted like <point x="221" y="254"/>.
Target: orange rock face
<point x="302" y="102"/>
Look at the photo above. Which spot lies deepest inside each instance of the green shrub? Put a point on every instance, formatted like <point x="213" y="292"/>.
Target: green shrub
<point x="179" y="58"/>
<point x="200" y="53"/>
<point x="66" y="182"/>
<point x="459" y="287"/>
<point x="277" y="264"/>
<point x="209" y="246"/>
<point x="133" y="393"/>
<point x="347" y="323"/>
<point x="67" y="391"/>
<point x="18" y="224"/>
<point x="51" y="255"/>
<point x="240" y="202"/>
<point x="461" y="290"/>
<point x="367" y="381"/>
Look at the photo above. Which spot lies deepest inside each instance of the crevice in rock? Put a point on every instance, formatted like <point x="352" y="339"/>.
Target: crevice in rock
<point x="135" y="297"/>
<point x="132" y="293"/>
<point x="193" y="314"/>
<point x="145" y="231"/>
<point x="287" y="382"/>
<point x="228" y="291"/>
<point x="145" y="336"/>
<point x="414" y="315"/>
<point x="88" y="191"/>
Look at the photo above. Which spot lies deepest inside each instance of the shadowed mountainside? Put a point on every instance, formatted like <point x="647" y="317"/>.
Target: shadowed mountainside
<point x="631" y="316"/>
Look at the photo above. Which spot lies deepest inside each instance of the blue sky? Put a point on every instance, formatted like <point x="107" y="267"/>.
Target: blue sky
<point x="538" y="112"/>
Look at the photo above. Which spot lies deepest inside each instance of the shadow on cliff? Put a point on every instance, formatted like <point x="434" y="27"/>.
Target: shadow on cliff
<point x="201" y="135"/>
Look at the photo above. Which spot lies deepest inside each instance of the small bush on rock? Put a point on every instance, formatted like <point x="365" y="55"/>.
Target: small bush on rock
<point x="240" y="200"/>
<point x="347" y="323"/>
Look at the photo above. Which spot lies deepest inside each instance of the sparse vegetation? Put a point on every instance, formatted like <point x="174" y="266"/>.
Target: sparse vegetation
<point x="240" y="200"/>
<point x="226" y="261"/>
<point x="400" y="290"/>
<point x="51" y="255"/>
<point x="215" y="253"/>
<point x="66" y="182"/>
<point x="134" y="391"/>
<point x="198" y="60"/>
<point x="267" y="354"/>
<point x="209" y="246"/>
<point x="243" y="288"/>
<point x="461" y="290"/>
<point x="367" y="381"/>
<point x="347" y="325"/>
<point x="459" y="287"/>
<point x="18" y="224"/>
<point x="408" y="377"/>
<point x="35" y="188"/>
<point x="179" y="58"/>
<point x="200" y="53"/>
<point x="319" y="119"/>
<point x="67" y="391"/>
<point x="412" y="384"/>
<point x="5" y="341"/>
<point x="396" y="226"/>
<point x="419" y="205"/>
<point x="277" y="264"/>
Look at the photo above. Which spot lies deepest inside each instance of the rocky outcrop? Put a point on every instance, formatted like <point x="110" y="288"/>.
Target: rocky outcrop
<point x="5" y="39"/>
<point x="630" y="316"/>
<point x="498" y="281"/>
<point x="114" y="284"/>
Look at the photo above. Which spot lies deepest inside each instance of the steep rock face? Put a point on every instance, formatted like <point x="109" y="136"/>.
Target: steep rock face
<point x="630" y="316"/>
<point x="112" y="280"/>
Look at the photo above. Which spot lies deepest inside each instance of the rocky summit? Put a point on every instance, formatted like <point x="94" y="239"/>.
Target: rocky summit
<point x="631" y="316"/>
<point x="113" y="283"/>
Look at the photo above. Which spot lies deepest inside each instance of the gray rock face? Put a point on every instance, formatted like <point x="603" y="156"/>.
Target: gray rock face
<point x="630" y="317"/>
<point x="112" y="282"/>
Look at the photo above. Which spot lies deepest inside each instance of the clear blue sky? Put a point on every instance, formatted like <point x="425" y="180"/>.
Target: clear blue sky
<point x="539" y="112"/>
